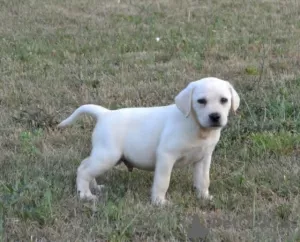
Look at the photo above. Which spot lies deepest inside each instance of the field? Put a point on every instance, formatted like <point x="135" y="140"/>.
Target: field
<point x="56" y="55"/>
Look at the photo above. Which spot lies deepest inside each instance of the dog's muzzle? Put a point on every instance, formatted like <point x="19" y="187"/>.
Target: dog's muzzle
<point x="215" y="119"/>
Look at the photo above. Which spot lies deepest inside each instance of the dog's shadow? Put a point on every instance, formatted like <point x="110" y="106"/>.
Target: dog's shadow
<point x="120" y="183"/>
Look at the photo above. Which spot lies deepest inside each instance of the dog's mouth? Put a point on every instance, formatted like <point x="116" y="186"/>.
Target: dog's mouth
<point x="212" y="126"/>
<point x="216" y="125"/>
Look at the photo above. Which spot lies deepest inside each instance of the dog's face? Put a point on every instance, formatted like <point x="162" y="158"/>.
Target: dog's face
<point x="210" y="99"/>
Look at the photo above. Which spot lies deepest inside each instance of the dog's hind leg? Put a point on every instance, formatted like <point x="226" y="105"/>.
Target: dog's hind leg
<point x="96" y="164"/>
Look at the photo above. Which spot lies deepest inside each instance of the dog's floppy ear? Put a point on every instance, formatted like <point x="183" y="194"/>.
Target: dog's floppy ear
<point x="235" y="98"/>
<point x="183" y="100"/>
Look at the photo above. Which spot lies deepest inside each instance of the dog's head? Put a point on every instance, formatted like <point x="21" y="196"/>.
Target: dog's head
<point x="211" y="100"/>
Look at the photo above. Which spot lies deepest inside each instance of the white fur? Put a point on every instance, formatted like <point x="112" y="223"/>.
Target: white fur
<point x="158" y="138"/>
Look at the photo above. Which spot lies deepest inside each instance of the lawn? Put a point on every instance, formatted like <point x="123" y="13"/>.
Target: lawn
<point x="59" y="54"/>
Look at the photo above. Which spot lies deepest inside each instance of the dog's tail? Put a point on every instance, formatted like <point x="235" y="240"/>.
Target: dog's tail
<point x="91" y="109"/>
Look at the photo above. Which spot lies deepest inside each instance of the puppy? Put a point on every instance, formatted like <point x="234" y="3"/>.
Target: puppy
<point x="159" y="138"/>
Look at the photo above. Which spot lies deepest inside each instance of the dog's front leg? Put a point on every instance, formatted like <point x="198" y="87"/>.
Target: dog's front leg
<point x="201" y="177"/>
<point x="163" y="169"/>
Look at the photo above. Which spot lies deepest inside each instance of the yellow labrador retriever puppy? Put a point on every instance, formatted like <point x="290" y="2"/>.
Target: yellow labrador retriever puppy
<point x="159" y="138"/>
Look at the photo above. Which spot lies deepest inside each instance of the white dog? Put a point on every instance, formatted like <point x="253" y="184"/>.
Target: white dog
<point x="159" y="138"/>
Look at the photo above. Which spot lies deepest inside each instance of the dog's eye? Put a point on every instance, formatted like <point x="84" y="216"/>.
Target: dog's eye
<point x="224" y="100"/>
<point x="202" y="101"/>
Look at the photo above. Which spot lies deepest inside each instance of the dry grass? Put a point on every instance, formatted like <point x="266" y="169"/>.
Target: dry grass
<point x="56" y="55"/>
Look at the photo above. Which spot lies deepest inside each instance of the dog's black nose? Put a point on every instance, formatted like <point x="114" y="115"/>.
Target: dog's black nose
<point x="215" y="117"/>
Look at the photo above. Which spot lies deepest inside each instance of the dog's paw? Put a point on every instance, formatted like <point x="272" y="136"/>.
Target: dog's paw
<point x="87" y="196"/>
<point x="161" y="202"/>
<point x="209" y="197"/>
<point x="205" y="195"/>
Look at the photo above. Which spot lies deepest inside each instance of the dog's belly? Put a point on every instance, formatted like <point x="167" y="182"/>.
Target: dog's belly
<point x="187" y="159"/>
<point x="138" y="165"/>
<point x="142" y="164"/>
<point x="142" y="157"/>
<point x="147" y="160"/>
<point x="140" y="144"/>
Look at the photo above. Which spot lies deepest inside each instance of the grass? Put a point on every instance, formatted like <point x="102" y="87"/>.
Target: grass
<point x="57" y="55"/>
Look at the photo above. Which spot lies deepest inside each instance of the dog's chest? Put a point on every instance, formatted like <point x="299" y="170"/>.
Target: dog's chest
<point x="193" y="155"/>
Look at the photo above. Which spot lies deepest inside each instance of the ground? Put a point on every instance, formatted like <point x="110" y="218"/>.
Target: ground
<point x="56" y="55"/>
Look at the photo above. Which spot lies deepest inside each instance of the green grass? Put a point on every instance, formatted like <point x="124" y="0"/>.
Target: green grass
<point x="57" y="55"/>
